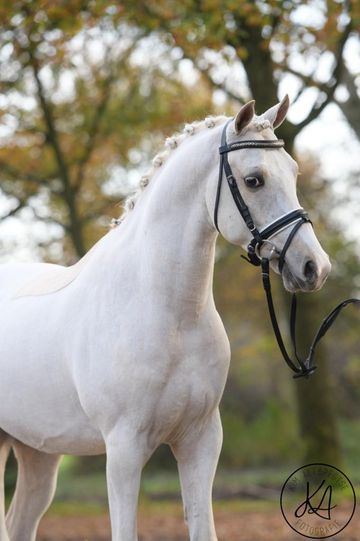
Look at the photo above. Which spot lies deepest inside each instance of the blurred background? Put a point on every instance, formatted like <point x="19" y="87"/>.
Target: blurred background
<point x="88" y="92"/>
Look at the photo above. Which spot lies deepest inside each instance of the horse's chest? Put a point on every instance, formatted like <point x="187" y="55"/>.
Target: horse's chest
<point x="159" y="386"/>
<point x="192" y="393"/>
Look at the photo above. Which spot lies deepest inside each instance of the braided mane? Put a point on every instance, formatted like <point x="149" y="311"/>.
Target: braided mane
<point x="171" y="143"/>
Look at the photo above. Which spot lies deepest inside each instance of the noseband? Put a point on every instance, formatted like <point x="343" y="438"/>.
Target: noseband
<point x="295" y="218"/>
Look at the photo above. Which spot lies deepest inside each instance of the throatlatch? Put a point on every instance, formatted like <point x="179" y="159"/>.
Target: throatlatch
<point x="295" y="218"/>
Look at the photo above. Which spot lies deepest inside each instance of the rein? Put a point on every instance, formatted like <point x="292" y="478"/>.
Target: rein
<point x="295" y="218"/>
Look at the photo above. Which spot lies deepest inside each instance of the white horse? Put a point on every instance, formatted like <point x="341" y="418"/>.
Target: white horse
<point x="125" y="350"/>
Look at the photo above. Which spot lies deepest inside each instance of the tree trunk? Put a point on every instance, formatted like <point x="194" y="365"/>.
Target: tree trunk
<point x="315" y="396"/>
<point x="351" y="107"/>
<point x="74" y="227"/>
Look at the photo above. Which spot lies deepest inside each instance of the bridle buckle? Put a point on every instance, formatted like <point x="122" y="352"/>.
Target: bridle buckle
<point x="231" y="179"/>
<point x="274" y="252"/>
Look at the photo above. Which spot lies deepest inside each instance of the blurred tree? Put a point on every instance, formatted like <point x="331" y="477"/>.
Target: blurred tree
<point x="78" y="97"/>
<point x="250" y="49"/>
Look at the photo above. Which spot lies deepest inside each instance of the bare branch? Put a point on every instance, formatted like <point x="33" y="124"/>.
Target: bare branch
<point x="13" y="211"/>
<point x="106" y="206"/>
<point x="306" y="79"/>
<point x="99" y="113"/>
<point x="204" y="72"/>
<point x="10" y="194"/>
<point x="96" y="121"/>
<point x="328" y="90"/>
<point x="93" y="132"/>
<point x="68" y="193"/>
<point x="220" y="86"/>
<point x="21" y="202"/>
<point x="16" y="174"/>
<point x="49" y="220"/>
<point x="351" y="107"/>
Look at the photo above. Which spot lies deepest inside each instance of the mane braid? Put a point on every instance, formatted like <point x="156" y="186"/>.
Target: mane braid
<point x="171" y="143"/>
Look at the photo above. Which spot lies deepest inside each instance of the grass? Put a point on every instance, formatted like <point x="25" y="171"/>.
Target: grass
<point x="160" y="491"/>
<point x="86" y="493"/>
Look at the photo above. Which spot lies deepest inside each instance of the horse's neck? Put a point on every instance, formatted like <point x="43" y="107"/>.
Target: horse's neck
<point x="172" y="239"/>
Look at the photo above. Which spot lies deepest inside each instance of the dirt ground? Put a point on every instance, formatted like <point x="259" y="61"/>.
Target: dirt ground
<point x="230" y="525"/>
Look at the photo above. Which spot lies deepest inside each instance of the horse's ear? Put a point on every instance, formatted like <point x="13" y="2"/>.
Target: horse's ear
<point x="244" y="116"/>
<point x="276" y="115"/>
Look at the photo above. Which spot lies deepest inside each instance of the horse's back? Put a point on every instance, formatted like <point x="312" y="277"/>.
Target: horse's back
<point x="14" y="276"/>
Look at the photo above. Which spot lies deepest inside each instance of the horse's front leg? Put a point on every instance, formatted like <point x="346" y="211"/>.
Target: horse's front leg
<point x="197" y="455"/>
<point x="126" y="454"/>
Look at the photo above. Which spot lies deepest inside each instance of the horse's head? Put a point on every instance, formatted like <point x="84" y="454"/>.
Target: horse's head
<point x="266" y="179"/>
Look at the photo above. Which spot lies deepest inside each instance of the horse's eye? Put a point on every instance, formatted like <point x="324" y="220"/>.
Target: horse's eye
<point x="254" y="182"/>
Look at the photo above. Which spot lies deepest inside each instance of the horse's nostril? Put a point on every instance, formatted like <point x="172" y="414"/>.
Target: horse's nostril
<point x="310" y="272"/>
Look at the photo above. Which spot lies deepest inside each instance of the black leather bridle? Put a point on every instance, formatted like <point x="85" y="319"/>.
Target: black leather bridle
<point x="295" y="218"/>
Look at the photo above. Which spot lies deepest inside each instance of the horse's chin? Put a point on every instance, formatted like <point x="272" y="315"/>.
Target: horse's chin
<point x="293" y="284"/>
<point x="290" y="282"/>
